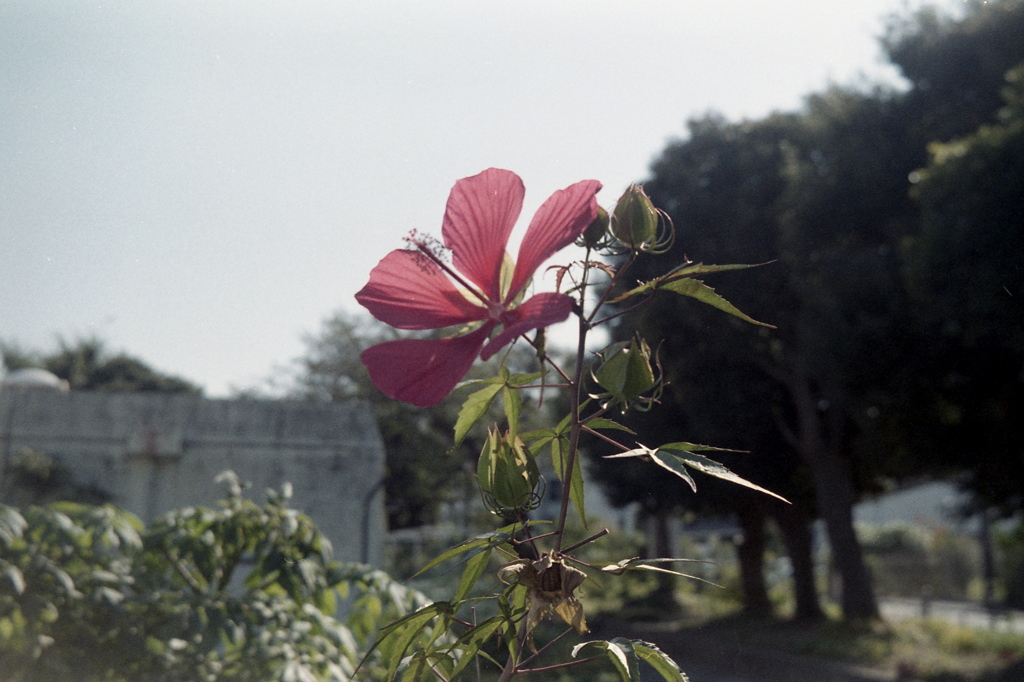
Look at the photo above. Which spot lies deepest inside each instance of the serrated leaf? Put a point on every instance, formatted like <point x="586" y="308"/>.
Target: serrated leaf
<point x="694" y="447"/>
<point x="668" y="462"/>
<point x="686" y="270"/>
<point x="523" y="379"/>
<point x="660" y="661"/>
<point x="695" y="288"/>
<point x="692" y="269"/>
<point x="474" y="407"/>
<point x="602" y="423"/>
<point x="716" y="469"/>
<point x="621" y="653"/>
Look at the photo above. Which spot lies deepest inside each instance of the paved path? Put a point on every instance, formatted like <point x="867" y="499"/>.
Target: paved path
<point x="707" y="658"/>
<point x="960" y="613"/>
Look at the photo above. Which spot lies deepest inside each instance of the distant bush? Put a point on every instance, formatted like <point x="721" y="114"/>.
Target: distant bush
<point x="239" y="591"/>
<point x="911" y="560"/>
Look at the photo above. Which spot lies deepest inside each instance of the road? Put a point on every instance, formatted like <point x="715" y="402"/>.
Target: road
<point x="960" y="613"/>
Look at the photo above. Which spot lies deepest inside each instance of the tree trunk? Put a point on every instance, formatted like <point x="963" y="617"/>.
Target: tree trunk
<point x="794" y="524"/>
<point x="666" y="582"/>
<point x="834" y="494"/>
<point x="750" y="551"/>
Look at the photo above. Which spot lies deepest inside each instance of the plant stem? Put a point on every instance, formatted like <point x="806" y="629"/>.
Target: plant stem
<point x="575" y="392"/>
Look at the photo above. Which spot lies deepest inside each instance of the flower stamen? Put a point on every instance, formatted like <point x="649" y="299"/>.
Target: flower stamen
<point x="432" y="249"/>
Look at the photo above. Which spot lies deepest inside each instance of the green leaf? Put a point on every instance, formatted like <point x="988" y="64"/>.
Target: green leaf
<point x="475" y="566"/>
<point x="602" y="423"/>
<point x="638" y="564"/>
<point x="13" y="575"/>
<point x="695" y="288"/>
<point x="669" y="463"/>
<point x="559" y="455"/>
<point x="473" y="639"/>
<point x="689" y="270"/>
<point x="523" y="379"/>
<point x="473" y="409"/>
<point x="478" y="544"/>
<point x="406" y="630"/>
<point x="621" y="653"/>
<point x="693" y="447"/>
<point x="686" y="270"/>
<point x="713" y="468"/>
<point x="659" y="660"/>
<point x="513" y="404"/>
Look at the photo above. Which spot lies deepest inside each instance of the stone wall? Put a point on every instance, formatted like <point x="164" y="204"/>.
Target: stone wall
<point x="151" y="453"/>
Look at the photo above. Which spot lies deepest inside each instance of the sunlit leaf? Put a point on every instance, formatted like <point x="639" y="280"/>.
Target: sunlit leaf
<point x="684" y="271"/>
<point x="638" y="564"/>
<point x="668" y="462"/>
<point x="474" y="407"/>
<point x="621" y="653"/>
<point x="602" y="423"/>
<point x="695" y="288"/>
<point x="513" y="404"/>
<point x="660" y="661"/>
<point x="694" y="447"/>
<point x="713" y="468"/>
<point x="523" y="379"/>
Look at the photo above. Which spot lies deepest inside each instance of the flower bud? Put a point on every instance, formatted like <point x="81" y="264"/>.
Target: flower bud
<point x="635" y="220"/>
<point x="626" y="372"/>
<point x="593" y="236"/>
<point x="507" y="474"/>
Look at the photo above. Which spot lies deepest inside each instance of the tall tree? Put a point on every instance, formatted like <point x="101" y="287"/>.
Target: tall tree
<point x="965" y="270"/>
<point x="722" y="187"/>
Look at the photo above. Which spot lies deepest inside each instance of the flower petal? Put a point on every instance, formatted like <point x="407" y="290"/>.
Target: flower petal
<point x="422" y="371"/>
<point x="558" y="222"/>
<point x="481" y="212"/>
<point x="409" y="291"/>
<point x="539" y="311"/>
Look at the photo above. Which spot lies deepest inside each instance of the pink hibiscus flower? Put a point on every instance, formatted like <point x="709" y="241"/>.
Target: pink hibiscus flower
<point x="416" y="288"/>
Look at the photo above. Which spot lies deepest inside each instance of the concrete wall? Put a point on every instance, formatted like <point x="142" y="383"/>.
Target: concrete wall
<point x="155" y="452"/>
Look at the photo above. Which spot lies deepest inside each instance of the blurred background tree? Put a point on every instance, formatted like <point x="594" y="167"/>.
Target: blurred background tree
<point x="86" y="364"/>
<point x="859" y="385"/>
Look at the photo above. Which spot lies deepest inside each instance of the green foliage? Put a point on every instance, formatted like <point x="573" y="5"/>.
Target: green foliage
<point x="240" y="591"/>
<point x="423" y="469"/>
<point x="87" y="365"/>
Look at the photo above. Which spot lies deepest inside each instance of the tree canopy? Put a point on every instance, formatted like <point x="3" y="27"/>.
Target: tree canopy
<point x="86" y="364"/>
<point x="893" y="281"/>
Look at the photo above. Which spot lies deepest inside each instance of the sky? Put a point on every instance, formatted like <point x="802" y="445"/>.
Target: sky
<point x="200" y="183"/>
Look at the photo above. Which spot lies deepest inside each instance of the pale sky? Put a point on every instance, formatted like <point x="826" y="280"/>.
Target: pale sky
<point x="201" y="182"/>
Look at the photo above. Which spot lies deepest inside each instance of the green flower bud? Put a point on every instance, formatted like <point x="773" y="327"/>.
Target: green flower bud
<point x="507" y="474"/>
<point x="594" y="235"/>
<point x="635" y="220"/>
<point x="626" y="372"/>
